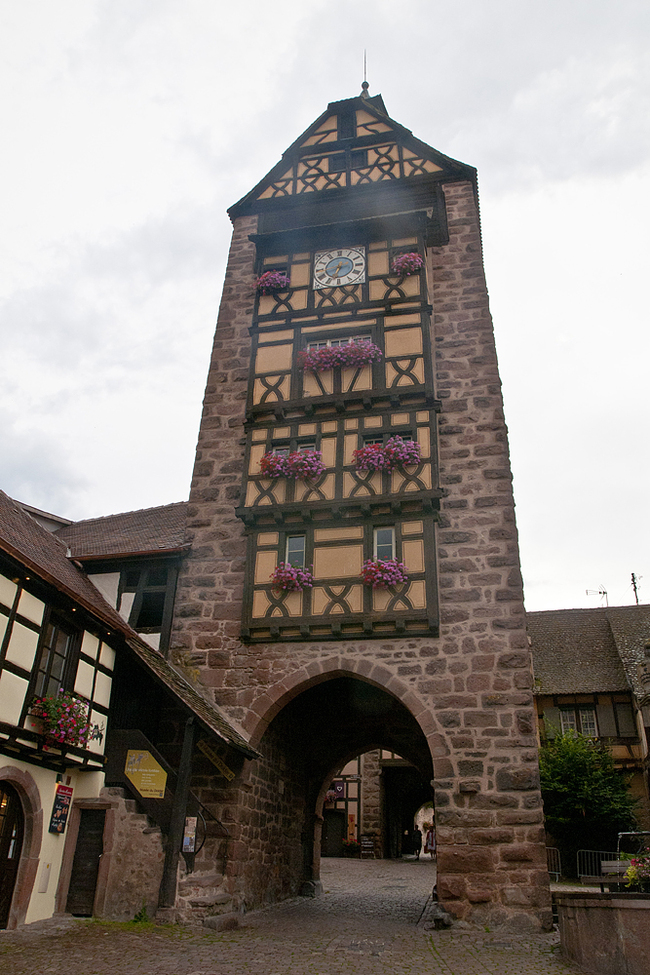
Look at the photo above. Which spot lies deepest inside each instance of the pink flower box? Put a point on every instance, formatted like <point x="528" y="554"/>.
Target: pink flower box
<point x="382" y="573"/>
<point x="290" y="578"/>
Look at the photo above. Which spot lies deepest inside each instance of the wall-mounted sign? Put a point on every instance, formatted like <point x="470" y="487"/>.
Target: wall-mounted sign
<point x="210" y="753"/>
<point x="145" y="773"/>
<point x="60" y="808"/>
<point x="189" y="834"/>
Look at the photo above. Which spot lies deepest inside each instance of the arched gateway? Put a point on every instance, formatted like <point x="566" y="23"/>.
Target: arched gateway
<point x="353" y="579"/>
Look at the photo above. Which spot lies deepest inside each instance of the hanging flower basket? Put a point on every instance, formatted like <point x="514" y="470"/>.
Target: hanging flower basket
<point x="272" y="281"/>
<point x="290" y="578"/>
<point x="354" y="354"/>
<point x="274" y="465"/>
<point x="394" y="453"/>
<point x="302" y="465"/>
<point x="382" y="573"/>
<point x="405" y="264"/>
<point x="64" y="719"/>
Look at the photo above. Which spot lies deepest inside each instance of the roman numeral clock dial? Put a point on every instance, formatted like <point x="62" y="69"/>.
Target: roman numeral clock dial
<point x="344" y="265"/>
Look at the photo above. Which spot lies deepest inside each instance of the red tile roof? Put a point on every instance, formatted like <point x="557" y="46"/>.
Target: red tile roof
<point x="148" y="530"/>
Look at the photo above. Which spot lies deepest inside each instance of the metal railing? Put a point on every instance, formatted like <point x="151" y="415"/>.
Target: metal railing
<point x="590" y="863"/>
<point x="553" y="863"/>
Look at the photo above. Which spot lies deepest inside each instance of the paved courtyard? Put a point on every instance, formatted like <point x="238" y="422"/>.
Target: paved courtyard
<point x="371" y="919"/>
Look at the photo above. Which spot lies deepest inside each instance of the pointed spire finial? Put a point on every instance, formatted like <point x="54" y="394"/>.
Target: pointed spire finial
<point x="364" y="85"/>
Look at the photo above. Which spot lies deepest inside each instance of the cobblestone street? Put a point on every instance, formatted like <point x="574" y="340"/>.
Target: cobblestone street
<point x="371" y="919"/>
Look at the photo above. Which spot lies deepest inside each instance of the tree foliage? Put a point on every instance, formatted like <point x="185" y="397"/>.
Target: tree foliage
<point x="587" y="801"/>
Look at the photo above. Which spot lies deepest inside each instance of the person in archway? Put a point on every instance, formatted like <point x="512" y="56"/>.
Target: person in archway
<point x="417" y="841"/>
<point x="430" y="842"/>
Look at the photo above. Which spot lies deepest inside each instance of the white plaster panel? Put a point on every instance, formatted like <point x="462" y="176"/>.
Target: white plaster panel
<point x="126" y="604"/>
<point x="3" y="626"/>
<point x="31" y="607"/>
<point x="153" y="639"/>
<point x="107" y="583"/>
<point x="90" y="645"/>
<point x="83" y="683"/>
<point x="102" y="690"/>
<point x="7" y="591"/>
<point x="97" y="718"/>
<point x="12" y="696"/>
<point x="107" y="656"/>
<point x="22" y="646"/>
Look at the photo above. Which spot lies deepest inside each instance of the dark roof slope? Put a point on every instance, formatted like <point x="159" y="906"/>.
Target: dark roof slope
<point x="148" y="530"/>
<point x="631" y="629"/>
<point x="574" y="652"/>
<point x="44" y="555"/>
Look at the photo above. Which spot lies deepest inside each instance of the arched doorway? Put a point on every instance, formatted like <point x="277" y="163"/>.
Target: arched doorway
<point x="317" y="731"/>
<point x="12" y="830"/>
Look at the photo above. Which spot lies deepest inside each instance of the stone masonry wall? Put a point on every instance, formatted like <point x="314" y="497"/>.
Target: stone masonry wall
<point x="471" y="688"/>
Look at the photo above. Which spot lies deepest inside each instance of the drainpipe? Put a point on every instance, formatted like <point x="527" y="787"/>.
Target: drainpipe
<point x="167" y="895"/>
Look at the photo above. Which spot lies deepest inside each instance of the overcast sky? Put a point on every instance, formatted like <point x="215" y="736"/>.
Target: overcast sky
<point x="128" y="128"/>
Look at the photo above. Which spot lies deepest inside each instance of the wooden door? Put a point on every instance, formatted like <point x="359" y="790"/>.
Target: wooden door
<point x="85" y="866"/>
<point x="334" y="832"/>
<point x="12" y="827"/>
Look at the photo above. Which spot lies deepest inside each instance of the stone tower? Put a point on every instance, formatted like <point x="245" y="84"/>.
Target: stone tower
<point x="353" y="415"/>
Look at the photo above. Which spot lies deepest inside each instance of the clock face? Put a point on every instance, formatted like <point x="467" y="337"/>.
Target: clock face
<point x="343" y="265"/>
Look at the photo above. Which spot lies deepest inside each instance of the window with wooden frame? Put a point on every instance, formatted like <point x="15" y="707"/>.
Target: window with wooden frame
<point x="580" y="720"/>
<point x="57" y="657"/>
<point x="384" y="543"/>
<point x="295" y="551"/>
<point x="150" y="590"/>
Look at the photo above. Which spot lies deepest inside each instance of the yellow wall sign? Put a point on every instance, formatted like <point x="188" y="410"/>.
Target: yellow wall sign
<point x="146" y="774"/>
<point x="210" y="753"/>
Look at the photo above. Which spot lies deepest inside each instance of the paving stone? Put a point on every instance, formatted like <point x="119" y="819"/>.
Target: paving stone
<point x="370" y="920"/>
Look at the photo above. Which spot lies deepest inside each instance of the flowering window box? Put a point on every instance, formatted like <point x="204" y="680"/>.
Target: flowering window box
<point x="302" y="465"/>
<point x="272" y="281"/>
<point x="394" y="453"/>
<point x="355" y="354"/>
<point x="291" y="578"/>
<point x="382" y="573"/>
<point x="63" y="719"/>
<point x="406" y="264"/>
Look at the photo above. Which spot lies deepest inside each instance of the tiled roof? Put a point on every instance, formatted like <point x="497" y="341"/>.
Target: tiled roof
<point x="44" y="555"/>
<point x="148" y="530"/>
<point x="574" y="652"/>
<point x="631" y="629"/>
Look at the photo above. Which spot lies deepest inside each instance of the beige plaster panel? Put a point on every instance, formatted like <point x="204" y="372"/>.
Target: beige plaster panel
<point x="103" y="689"/>
<point x="338" y="561"/>
<point x="350" y="380"/>
<point x="277" y="395"/>
<point x="424" y="440"/>
<point x="328" y="449"/>
<point x="22" y="646"/>
<point x="304" y="489"/>
<point x="107" y="656"/>
<point x="412" y="527"/>
<point x="265" y="563"/>
<point x="409" y="319"/>
<point x="12" y="697"/>
<point x="3" y="626"/>
<point x="333" y="534"/>
<point x="31" y="607"/>
<point x="378" y="263"/>
<point x="261" y="603"/>
<point x="257" y="452"/>
<point x="351" y="424"/>
<point x="275" y="259"/>
<point x="307" y="429"/>
<point x="403" y="341"/>
<point x="300" y="275"/>
<point x="268" y="538"/>
<point x="405" y="242"/>
<point x="417" y="594"/>
<point x="83" y="683"/>
<point x="413" y="554"/>
<point x="398" y="419"/>
<point x="258" y="435"/>
<point x="411" y="285"/>
<point x="273" y="358"/>
<point x="320" y="600"/>
<point x="292" y="603"/>
<point x="372" y="422"/>
<point x="373" y="481"/>
<point x="90" y="645"/>
<point x="8" y="591"/>
<point x="310" y="385"/>
<point x="278" y="493"/>
<point x="400" y="483"/>
<point x="417" y="370"/>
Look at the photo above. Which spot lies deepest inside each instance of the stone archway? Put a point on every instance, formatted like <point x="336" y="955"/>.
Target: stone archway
<point x="30" y="800"/>
<point x="309" y="729"/>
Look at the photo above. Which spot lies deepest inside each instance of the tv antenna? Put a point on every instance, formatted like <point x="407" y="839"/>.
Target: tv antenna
<point x="635" y="586"/>
<point x="602" y="592"/>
